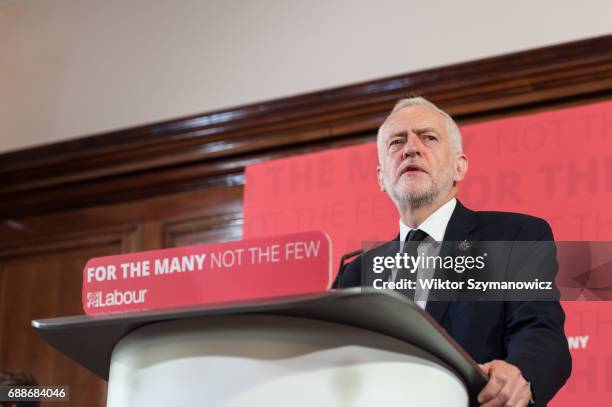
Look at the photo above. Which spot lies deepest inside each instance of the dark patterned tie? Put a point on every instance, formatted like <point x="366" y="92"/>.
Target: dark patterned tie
<point x="411" y="244"/>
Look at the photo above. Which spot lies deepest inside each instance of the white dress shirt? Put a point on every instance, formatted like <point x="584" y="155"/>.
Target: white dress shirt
<point x="435" y="226"/>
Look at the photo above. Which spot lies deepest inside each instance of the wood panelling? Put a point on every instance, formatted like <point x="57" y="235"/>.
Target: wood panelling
<point x="204" y="230"/>
<point x="42" y="258"/>
<point x="42" y="279"/>
<point x="212" y="149"/>
<point x="146" y="212"/>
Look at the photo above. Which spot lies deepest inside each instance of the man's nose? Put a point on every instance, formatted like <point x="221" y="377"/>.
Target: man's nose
<point x="412" y="146"/>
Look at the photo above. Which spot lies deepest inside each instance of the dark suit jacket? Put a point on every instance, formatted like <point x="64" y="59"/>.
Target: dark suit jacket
<point x="527" y="334"/>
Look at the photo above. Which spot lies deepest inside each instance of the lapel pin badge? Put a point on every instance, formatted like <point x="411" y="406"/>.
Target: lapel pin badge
<point x="464" y="245"/>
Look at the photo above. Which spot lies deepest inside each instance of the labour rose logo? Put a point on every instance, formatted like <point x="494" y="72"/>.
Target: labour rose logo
<point x="94" y="299"/>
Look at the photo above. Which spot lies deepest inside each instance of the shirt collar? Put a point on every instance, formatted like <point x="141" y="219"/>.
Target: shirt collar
<point x="435" y="224"/>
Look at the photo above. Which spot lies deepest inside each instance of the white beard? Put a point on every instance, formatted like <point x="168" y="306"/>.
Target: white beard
<point x="419" y="197"/>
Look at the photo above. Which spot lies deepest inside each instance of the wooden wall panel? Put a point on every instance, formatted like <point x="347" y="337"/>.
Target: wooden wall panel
<point x="203" y="230"/>
<point x="42" y="279"/>
<point x="41" y="265"/>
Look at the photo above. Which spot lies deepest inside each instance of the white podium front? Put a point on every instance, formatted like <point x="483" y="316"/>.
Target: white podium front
<point x="347" y="348"/>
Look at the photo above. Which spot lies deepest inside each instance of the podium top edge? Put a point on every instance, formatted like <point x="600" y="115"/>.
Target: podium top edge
<point x="385" y="312"/>
<point x="225" y="308"/>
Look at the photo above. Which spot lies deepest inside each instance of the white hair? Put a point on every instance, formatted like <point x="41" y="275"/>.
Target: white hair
<point x="451" y="126"/>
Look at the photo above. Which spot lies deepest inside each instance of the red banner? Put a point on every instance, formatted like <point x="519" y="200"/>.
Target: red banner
<point x="556" y="165"/>
<point x="277" y="266"/>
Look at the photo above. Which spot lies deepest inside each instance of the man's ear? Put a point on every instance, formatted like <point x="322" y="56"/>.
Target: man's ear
<point x="461" y="168"/>
<point x="379" y="175"/>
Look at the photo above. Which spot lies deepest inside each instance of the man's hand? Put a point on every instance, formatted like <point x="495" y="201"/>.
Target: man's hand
<point x="506" y="386"/>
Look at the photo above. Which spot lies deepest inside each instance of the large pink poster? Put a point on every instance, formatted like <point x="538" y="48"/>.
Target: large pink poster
<point x="556" y="165"/>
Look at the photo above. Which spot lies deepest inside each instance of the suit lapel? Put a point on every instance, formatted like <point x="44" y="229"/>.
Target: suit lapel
<point x="461" y="226"/>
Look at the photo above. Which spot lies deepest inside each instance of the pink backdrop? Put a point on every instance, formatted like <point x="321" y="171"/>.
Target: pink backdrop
<point x="556" y="165"/>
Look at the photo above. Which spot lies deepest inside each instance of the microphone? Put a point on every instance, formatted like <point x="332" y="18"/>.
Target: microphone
<point x="342" y="266"/>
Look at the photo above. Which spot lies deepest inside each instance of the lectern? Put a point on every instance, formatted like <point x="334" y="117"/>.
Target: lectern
<point x="352" y="347"/>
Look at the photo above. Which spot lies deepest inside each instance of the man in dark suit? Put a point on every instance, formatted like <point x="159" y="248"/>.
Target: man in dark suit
<point x="521" y="345"/>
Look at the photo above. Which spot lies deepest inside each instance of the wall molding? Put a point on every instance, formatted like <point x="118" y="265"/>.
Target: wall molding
<point x="125" y="238"/>
<point x="212" y="149"/>
<point x="173" y="231"/>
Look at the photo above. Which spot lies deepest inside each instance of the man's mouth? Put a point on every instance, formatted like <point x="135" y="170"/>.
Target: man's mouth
<point x="412" y="169"/>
